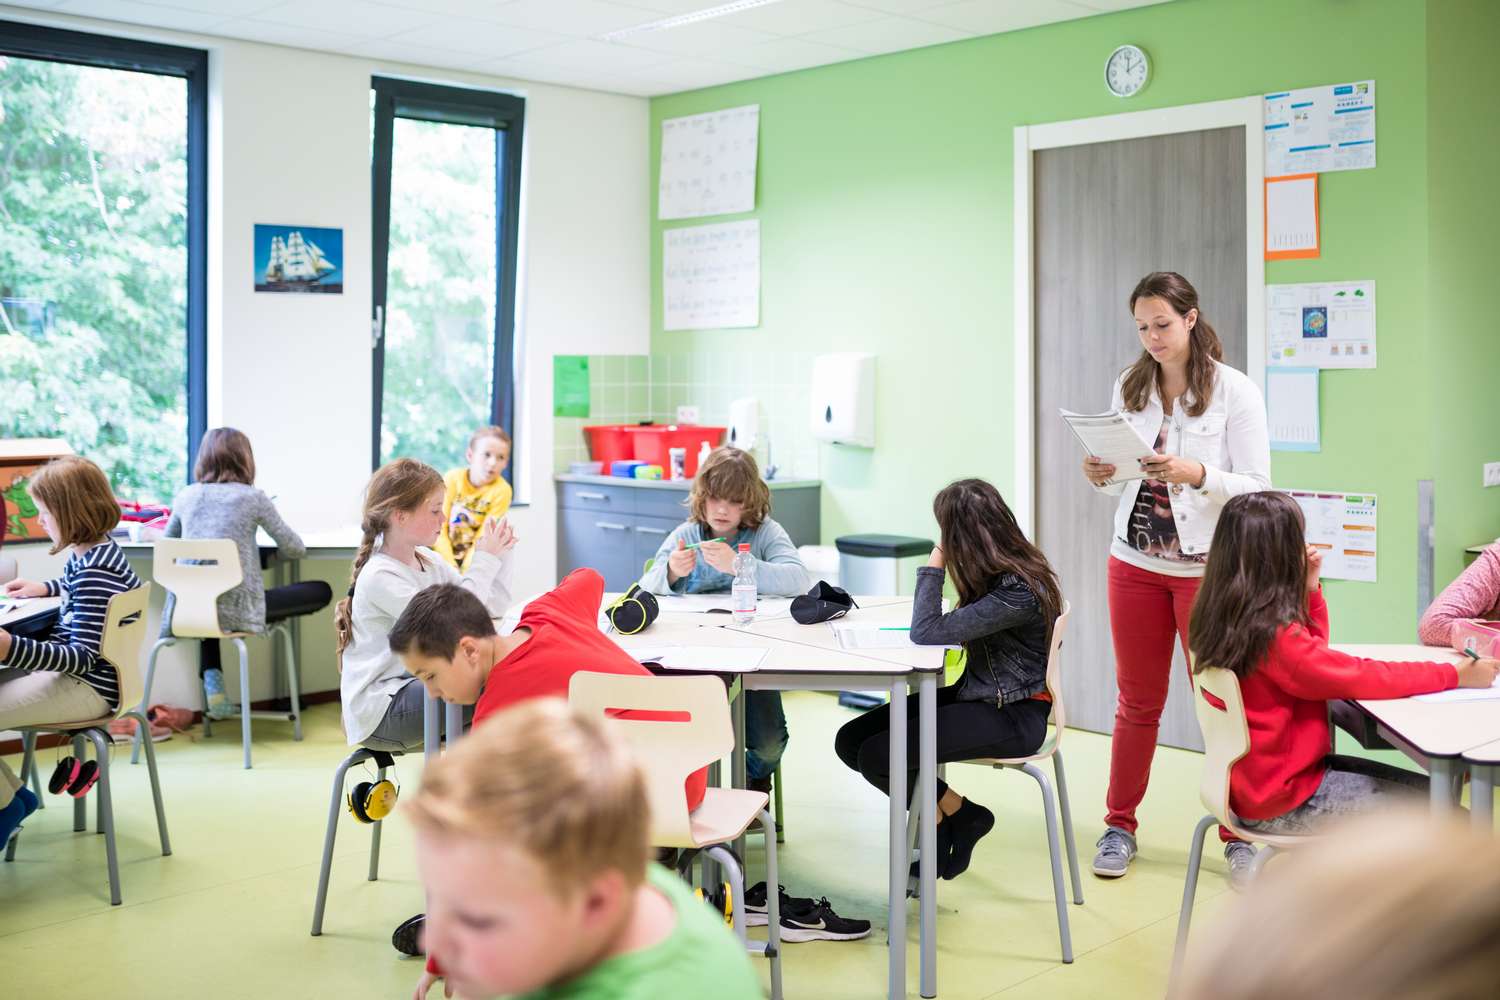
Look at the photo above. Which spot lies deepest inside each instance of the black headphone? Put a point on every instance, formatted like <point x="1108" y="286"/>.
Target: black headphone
<point x="373" y="801"/>
<point x="633" y="611"/>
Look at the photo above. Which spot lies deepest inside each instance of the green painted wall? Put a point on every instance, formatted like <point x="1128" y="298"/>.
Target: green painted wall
<point x="1464" y="225"/>
<point x="885" y="206"/>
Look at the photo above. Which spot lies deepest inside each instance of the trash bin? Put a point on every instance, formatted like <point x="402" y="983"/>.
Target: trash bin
<point x="880" y="565"/>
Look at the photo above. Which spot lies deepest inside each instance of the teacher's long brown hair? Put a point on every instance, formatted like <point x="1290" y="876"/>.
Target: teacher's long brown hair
<point x="1203" y="346"/>
<point x="1254" y="584"/>
<point x="982" y="541"/>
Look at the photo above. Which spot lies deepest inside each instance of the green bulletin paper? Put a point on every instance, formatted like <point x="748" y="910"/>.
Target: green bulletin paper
<point x="570" y="385"/>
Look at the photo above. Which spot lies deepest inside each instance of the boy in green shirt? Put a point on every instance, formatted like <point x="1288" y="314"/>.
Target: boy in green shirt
<point x="532" y="845"/>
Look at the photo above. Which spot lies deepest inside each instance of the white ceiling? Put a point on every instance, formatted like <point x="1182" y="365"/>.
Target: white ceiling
<point x="558" y="41"/>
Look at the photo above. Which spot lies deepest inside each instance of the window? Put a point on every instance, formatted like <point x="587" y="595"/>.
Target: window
<point x="102" y="251"/>
<point x="447" y="195"/>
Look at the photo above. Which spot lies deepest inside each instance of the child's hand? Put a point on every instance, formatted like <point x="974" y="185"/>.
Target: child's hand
<point x="25" y="588"/>
<point x="1477" y="673"/>
<point x="497" y="538"/>
<point x="936" y="559"/>
<point x="681" y="562"/>
<point x="1314" y="567"/>
<point x="425" y="983"/>
<point x="718" y="555"/>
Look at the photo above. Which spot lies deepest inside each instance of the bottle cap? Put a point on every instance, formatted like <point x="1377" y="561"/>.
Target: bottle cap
<point x="744" y="546"/>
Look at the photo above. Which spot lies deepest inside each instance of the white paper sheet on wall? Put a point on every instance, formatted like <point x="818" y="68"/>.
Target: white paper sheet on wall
<point x="1292" y="409"/>
<point x="1292" y="217"/>
<point x="1320" y="129"/>
<point x="711" y="276"/>
<point x="708" y="163"/>
<point x="1342" y="527"/>
<point x="1321" y="325"/>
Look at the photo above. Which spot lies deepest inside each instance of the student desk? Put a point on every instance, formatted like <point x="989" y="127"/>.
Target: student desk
<point x="29" y="608"/>
<point x="1436" y="735"/>
<point x="809" y="658"/>
<point x="1484" y="766"/>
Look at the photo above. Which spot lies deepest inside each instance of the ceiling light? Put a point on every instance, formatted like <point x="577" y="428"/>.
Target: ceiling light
<point x="692" y="17"/>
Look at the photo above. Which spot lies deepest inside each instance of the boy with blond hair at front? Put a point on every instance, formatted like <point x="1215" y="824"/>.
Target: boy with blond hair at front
<point x="532" y="846"/>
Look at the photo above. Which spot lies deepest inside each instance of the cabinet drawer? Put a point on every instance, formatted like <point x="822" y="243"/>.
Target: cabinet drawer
<point x="652" y="502"/>
<point x="650" y="532"/>
<point x="587" y="496"/>
<point x="600" y="540"/>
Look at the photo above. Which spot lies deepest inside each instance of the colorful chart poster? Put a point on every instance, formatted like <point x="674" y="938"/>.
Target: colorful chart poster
<point x="1320" y="129"/>
<point x="1321" y="325"/>
<point x="1342" y="527"/>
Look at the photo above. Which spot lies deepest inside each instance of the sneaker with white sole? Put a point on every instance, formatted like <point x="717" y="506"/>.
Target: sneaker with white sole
<point x="757" y="910"/>
<point x="1241" y="857"/>
<point x="1116" y="851"/>
<point x="820" y="923"/>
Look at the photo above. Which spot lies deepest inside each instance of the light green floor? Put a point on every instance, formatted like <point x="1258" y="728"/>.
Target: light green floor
<point x="228" y="914"/>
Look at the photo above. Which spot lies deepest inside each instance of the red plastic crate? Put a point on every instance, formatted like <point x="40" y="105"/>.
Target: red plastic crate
<point x="653" y="444"/>
<point x="610" y="443"/>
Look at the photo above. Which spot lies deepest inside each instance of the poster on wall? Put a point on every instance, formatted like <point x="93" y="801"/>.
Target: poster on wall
<point x="1320" y="129"/>
<point x="708" y="163"/>
<point x="1342" y="527"/>
<point x="711" y="276"/>
<point x="299" y="259"/>
<point x="1321" y="325"/>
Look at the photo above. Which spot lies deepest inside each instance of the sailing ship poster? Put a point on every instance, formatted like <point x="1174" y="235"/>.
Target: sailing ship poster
<point x="299" y="259"/>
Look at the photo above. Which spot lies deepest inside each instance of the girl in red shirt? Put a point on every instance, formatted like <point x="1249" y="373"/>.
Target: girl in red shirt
<point x="1260" y="613"/>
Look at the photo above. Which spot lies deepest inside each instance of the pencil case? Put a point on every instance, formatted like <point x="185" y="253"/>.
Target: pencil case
<point x="1478" y="637"/>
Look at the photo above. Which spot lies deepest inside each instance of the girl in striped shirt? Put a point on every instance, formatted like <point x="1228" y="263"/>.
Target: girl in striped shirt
<point x="60" y="678"/>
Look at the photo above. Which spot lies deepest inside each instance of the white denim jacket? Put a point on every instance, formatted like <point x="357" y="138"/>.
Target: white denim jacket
<point x="1230" y="439"/>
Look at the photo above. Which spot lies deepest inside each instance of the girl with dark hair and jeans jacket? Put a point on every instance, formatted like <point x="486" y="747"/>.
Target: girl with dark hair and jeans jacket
<point x="1008" y="599"/>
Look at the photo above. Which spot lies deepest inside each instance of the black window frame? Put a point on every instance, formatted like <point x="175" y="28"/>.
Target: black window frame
<point x="506" y="114"/>
<point x="33" y="41"/>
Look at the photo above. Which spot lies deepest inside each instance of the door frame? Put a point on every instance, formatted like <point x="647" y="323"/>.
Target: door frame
<point x="1245" y="111"/>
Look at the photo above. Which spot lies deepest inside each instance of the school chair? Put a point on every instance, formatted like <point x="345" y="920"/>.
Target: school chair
<point x="384" y="761"/>
<point x="196" y="571"/>
<point x="1226" y="739"/>
<point x="1049" y="749"/>
<point x="670" y="751"/>
<point x="120" y="647"/>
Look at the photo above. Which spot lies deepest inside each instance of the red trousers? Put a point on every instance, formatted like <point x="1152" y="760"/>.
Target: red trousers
<point x="1147" y="612"/>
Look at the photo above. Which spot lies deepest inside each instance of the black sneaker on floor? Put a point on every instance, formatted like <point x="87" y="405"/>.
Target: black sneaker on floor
<point x="407" y="938"/>
<point x="820" y="923"/>
<point x="757" y="909"/>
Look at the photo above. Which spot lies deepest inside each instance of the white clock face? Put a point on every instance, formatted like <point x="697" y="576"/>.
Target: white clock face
<point x="1127" y="71"/>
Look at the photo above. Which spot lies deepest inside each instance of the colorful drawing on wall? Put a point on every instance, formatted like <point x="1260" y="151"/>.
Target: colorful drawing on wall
<point x="299" y="259"/>
<point x="20" y="510"/>
<point x="1314" y="321"/>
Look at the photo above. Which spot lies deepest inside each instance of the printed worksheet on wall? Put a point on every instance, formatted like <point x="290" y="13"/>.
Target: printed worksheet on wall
<point x="708" y="163"/>
<point x="1320" y="129"/>
<point x="1321" y="325"/>
<point x="711" y="276"/>
<point x="1342" y="527"/>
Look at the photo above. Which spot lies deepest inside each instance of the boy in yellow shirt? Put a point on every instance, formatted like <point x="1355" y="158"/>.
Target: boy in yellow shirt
<point x="474" y="494"/>
<point x="532" y="845"/>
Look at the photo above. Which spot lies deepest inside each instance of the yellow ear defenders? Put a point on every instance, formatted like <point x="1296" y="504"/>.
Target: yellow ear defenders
<point x="373" y="801"/>
<point x="633" y="610"/>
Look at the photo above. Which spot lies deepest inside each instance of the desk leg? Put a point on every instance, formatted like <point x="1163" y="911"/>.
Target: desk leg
<point x="1442" y="771"/>
<point x="454" y="723"/>
<point x="896" y="974"/>
<point x="430" y="728"/>
<point x="927" y="758"/>
<point x="278" y="657"/>
<point x="738" y="775"/>
<point x="1482" y="796"/>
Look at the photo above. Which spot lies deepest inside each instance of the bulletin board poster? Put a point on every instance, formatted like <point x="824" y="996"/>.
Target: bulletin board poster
<point x="570" y="385"/>
<point x="1320" y="129"/>
<point x="1321" y="325"/>
<point x="1342" y="527"/>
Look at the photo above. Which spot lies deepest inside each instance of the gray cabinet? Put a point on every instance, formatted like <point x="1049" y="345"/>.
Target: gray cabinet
<point x="615" y="525"/>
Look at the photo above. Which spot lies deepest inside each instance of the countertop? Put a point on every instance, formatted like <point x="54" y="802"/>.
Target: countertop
<point x="670" y="484"/>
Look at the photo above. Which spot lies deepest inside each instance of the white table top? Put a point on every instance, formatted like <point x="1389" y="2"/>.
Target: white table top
<point x="28" y="608"/>
<point x="1437" y="729"/>
<point x="319" y="543"/>
<point x="1489" y="753"/>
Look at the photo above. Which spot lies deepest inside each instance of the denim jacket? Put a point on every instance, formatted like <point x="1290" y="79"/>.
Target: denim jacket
<point x="1004" y="634"/>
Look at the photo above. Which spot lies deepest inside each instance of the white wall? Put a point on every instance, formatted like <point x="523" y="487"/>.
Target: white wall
<point x="293" y="371"/>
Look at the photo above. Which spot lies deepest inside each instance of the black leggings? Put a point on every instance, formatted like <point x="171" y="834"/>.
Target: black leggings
<point x="965" y="730"/>
<point x="291" y="601"/>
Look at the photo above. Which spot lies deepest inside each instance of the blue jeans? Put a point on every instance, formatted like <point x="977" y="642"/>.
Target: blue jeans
<point x="765" y="733"/>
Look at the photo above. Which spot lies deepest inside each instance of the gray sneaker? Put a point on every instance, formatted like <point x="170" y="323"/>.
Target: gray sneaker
<point x="1240" y="856"/>
<point x="1116" y="851"/>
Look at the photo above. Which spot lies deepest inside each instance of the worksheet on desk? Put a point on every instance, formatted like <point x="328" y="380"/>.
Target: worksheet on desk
<point x="729" y="659"/>
<point x="1463" y="694"/>
<point x="860" y="637"/>
<point x="714" y="606"/>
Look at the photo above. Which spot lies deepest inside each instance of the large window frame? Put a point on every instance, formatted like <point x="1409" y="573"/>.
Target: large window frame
<point x="506" y="114"/>
<point x="33" y="41"/>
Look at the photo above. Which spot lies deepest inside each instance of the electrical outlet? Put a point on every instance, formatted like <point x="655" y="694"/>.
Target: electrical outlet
<point x="689" y="415"/>
<point x="1492" y="473"/>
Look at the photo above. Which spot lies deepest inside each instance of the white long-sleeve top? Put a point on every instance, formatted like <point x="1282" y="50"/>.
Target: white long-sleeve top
<point x="372" y="674"/>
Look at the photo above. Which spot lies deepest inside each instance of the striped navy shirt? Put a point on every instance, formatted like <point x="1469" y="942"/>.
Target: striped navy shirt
<point x="89" y="580"/>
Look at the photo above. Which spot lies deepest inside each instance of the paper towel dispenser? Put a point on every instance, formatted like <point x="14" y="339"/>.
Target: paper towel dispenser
<point x="843" y="399"/>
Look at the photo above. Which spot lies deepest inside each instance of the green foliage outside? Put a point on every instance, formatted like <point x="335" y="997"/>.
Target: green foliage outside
<point x="93" y="267"/>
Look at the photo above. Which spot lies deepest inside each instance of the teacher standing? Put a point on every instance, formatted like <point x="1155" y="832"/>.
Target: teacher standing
<point x="1208" y="422"/>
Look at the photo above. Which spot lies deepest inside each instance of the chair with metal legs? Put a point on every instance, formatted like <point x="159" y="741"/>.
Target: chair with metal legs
<point x="384" y="762"/>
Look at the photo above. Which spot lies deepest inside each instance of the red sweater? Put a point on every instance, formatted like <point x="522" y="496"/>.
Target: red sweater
<point x="1286" y="706"/>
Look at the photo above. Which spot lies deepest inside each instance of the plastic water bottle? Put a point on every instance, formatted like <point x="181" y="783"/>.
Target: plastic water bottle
<point x="743" y="591"/>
